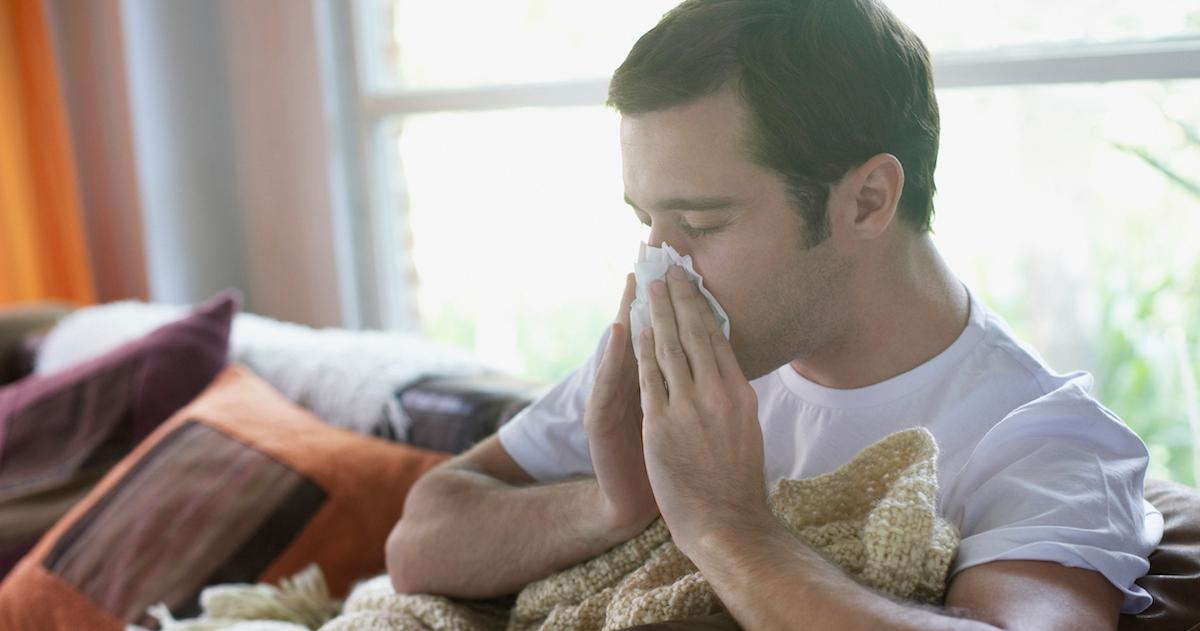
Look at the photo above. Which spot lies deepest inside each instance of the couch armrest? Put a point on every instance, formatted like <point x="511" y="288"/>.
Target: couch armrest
<point x="1174" y="576"/>
<point x="452" y="413"/>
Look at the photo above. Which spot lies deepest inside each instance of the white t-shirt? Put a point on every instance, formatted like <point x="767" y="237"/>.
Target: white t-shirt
<point x="1030" y="467"/>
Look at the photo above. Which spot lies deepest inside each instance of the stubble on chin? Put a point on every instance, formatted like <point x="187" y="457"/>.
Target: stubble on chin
<point x="803" y="317"/>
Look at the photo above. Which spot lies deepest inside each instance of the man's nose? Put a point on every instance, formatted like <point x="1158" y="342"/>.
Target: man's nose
<point x="659" y="233"/>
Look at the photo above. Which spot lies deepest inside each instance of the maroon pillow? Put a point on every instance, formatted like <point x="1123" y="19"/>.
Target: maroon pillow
<point x="57" y="431"/>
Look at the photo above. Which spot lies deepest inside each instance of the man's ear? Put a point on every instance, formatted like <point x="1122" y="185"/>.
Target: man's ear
<point x="868" y="196"/>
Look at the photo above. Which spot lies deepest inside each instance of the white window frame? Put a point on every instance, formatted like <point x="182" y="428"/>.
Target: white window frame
<point x="373" y="205"/>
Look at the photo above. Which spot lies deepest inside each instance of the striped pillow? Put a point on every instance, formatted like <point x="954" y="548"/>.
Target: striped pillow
<point x="60" y="433"/>
<point x="239" y="486"/>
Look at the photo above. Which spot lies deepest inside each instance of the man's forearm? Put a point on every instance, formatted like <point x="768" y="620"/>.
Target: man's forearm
<point x="768" y="579"/>
<point x="466" y="534"/>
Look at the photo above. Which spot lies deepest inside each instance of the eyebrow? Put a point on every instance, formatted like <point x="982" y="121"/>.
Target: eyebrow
<point x="694" y="203"/>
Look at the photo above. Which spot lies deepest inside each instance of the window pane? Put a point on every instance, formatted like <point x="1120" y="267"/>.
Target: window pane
<point x="438" y="44"/>
<point x="1074" y="211"/>
<point x="521" y="240"/>
<point x="982" y="24"/>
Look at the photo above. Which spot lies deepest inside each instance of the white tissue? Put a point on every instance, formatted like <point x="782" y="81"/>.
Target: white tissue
<point x="653" y="264"/>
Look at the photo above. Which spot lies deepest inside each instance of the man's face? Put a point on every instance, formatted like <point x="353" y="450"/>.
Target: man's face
<point x="783" y="302"/>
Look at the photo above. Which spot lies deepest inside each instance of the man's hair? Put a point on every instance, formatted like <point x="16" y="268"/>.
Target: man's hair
<point x="827" y="83"/>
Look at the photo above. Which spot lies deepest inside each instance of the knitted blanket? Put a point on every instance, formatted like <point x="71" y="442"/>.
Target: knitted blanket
<point x="875" y="517"/>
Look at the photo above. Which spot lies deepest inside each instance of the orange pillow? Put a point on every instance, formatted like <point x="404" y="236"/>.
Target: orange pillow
<point x="239" y="486"/>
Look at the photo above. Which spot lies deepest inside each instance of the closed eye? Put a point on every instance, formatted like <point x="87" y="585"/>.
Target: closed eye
<point x="692" y="231"/>
<point x="695" y="232"/>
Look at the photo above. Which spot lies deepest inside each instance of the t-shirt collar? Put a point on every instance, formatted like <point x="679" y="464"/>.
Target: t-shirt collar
<point x="895" y="387"/>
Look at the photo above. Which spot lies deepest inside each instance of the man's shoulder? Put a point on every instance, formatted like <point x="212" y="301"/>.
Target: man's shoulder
<point x="1004" y="352"/>
<point x="1067" y="412"/>
<point x="1024" y="397"/>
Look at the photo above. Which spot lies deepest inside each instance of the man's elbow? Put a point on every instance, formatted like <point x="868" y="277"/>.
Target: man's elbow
<point x="403" y="549"/>
<point x="415" y="553"/>
<point x="399" y="556"/>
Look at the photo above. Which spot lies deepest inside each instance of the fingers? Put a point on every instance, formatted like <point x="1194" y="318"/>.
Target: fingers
<point x="650" y="377"/>
<point x="609" y="373"/>
<point x="671" y="358"/>
<point x="623" y="316"/>
<point x="626" y="369"/>
<point x="727" y="361"/>
<point x="696" y="325"/>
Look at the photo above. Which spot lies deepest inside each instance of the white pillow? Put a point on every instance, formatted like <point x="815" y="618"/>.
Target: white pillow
<point x="345" y="377"/>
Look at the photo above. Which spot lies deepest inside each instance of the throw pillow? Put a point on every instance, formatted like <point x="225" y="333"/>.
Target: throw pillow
<point x="59" y="432"/>
<point x="239" y="486"/>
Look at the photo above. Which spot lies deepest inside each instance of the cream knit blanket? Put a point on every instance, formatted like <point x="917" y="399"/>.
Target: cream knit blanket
<point x="875" y="517"/>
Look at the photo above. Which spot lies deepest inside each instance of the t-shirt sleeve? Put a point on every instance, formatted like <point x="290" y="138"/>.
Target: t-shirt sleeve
<point x="547" y="438"/>
<point x="1060" y="479"/>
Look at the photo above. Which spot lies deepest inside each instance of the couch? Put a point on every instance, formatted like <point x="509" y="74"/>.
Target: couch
<point x="451" y="410"/>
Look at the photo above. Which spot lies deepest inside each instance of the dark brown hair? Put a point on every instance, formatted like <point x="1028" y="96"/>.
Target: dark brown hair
<point x="827" y="83"/>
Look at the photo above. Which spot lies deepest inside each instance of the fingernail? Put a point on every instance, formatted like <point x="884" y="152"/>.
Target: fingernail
<point x="677" y="273"/>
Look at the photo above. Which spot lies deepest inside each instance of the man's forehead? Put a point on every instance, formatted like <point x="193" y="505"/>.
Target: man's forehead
<point x="688" y="156"/>
<point x="714" y="121"/>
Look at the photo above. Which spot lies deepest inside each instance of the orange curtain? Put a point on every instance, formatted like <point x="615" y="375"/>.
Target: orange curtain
<point x="43" y="253"/>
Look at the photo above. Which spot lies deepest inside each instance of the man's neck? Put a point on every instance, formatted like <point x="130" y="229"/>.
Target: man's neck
<point x="902" y="318"/>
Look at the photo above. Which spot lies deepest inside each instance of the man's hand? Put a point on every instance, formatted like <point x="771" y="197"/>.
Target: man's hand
<point x="703" y="443"/>
<point x="613" y="422"/>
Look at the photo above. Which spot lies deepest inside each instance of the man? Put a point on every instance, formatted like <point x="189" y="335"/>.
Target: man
<point x="789" y="146"/>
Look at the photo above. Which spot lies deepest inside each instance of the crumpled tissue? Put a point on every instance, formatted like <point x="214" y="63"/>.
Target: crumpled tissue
<point x="653" y="264"/>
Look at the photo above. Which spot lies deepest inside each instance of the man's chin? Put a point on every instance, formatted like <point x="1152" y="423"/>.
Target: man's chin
<point x="752" y="369"/>
<point x="760" y="365"/>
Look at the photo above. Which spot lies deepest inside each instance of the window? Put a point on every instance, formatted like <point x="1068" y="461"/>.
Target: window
<point x="521" y="240"/>
<point x="1057" y="204"/>
<point x="1068" y="181"/>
